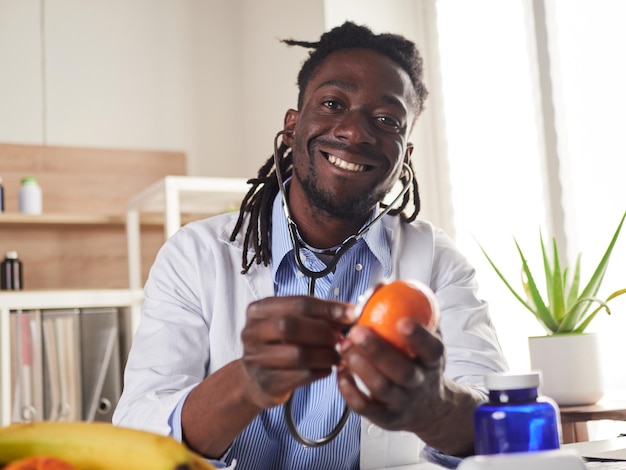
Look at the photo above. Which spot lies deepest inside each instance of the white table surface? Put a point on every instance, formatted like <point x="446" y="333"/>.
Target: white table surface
<point x="607" y="448"/>
<point x="416" y="466"/>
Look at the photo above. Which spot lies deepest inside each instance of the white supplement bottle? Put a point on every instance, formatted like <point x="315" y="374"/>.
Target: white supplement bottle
<point x="30" y="196"/>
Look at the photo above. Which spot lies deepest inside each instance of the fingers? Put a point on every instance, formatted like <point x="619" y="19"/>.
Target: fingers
<point x="275" y="371"/>
<point x="428" y="349"/>
<point x="299" y="320"/>
<point x="289" y="342"/>
<point x="378" y="364"/>
<point x="290" y="356"/>
<point x="331" y="311"/>
<point x="290" y="329"/>
<point x="272" y="387"/>
<point x="388" y="373"/>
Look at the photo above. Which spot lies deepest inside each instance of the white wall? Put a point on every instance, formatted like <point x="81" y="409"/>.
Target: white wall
<point x="270" y="69"/>
<point x="207" y="77"/>
<point x="118" y="72"/>
<point x="20" y="76"/>
<point x="246" y="78"/>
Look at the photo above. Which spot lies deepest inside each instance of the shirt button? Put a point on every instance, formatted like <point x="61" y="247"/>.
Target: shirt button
<point x="336" y="291"/>
<point x="299" y="274"/>
<point x="358" y="266"/>
<point x="374" y="431"/>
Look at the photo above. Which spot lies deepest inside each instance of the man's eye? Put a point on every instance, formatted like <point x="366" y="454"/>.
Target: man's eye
<point x="332" y="104"/>
<point x="389" y="122"/>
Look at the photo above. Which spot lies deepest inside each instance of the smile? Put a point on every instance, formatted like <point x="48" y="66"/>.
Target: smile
<point x="344" y="165"/>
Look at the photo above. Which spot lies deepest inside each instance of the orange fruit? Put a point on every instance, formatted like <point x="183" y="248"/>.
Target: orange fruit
<point x="390" y="302"/>
<point x="39" y="463"/>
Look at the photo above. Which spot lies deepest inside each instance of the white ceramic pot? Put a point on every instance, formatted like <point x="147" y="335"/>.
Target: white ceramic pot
<point x="571" y="367"/>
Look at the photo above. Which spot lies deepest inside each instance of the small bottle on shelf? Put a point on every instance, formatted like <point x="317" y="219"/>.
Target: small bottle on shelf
<point x="1" y="196"/>
<point x="11" y="277"/>
<point x="30" y="196"/>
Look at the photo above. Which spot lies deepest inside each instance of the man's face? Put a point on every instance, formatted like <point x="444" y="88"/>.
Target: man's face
<point x="351" y="133"/>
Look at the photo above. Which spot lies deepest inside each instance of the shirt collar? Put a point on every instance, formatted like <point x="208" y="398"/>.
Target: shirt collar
<point x="377" y="238"/>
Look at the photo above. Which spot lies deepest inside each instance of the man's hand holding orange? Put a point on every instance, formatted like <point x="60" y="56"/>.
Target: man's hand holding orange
<point x="395" y="351"/>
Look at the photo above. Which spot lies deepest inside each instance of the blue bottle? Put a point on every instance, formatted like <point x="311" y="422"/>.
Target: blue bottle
<point x="516" y="418"/>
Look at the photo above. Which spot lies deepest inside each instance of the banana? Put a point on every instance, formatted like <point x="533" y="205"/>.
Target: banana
<point x="97" y="446"/>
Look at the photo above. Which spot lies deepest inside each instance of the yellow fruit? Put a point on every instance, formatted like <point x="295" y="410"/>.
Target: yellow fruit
<point x="97" y="446"/>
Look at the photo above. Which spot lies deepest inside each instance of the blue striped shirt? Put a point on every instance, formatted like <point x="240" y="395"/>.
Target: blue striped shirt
<point x="266" y="442"/>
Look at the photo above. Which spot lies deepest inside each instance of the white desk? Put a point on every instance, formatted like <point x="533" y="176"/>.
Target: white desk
<point x="608" y="448"/>
<point x="417" y="466"/>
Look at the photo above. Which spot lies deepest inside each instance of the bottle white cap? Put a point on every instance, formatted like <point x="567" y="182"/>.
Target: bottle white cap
<point x="11" y="254"/>
<point x="512" y="381"/>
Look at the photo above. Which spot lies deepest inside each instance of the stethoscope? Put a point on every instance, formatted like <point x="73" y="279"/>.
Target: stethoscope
<point x="315" y="275"/>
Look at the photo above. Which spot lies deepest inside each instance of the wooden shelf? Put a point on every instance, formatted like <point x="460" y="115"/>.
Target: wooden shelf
<point x="7" y="218"/>
<point x="24" y="220"/>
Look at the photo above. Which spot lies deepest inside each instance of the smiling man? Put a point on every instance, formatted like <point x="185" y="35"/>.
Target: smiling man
<point x="349" y="142"/>
<point x="242" y="350"/>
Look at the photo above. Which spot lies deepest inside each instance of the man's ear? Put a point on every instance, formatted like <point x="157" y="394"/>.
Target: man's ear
<point x="408" y="152"/>
<point x="291" y="119"/>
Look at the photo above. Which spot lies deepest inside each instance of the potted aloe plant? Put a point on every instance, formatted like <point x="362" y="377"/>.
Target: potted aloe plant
<point x="565" y="311"/>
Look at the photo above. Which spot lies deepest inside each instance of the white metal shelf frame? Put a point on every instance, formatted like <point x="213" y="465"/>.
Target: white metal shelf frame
<point x="173" y="196"/>
<point x="54" y="299"/>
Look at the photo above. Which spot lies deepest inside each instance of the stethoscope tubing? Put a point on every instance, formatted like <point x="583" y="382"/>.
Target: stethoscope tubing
<point x="314" y="275"/>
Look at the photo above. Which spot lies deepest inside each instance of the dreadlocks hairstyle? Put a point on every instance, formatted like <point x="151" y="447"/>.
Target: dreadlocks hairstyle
<point x="256" y="206"/>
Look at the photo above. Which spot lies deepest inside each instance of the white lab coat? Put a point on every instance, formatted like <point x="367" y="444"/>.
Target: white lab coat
<point x="195" y="308"/>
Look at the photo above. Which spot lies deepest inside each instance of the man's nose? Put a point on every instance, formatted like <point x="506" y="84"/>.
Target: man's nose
<point x="356" y="128"/>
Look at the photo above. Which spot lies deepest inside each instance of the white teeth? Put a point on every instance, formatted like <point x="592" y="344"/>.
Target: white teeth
<point x="345" y="165"/>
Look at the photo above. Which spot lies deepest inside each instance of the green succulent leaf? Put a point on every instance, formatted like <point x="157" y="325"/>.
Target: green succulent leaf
<point x="579" y="310"/>
<point x="573" y="288"/>
<point x="541" y="311"/>
<point x="568" y="308"/>
<point x="581" y="328"/>
<point x="617" y="293"/>
<point x="572" y="320"/>
<point x="506" y="283"/>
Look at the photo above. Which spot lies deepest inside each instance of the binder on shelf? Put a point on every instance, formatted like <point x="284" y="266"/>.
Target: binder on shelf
<point x="101" y="365"/>
<point x="27" y="365"/>
<point x="62" y="371"/>
<point x="66" y="364"/>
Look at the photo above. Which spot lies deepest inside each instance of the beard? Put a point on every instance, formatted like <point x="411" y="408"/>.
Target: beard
<point x="348" y="206"/>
